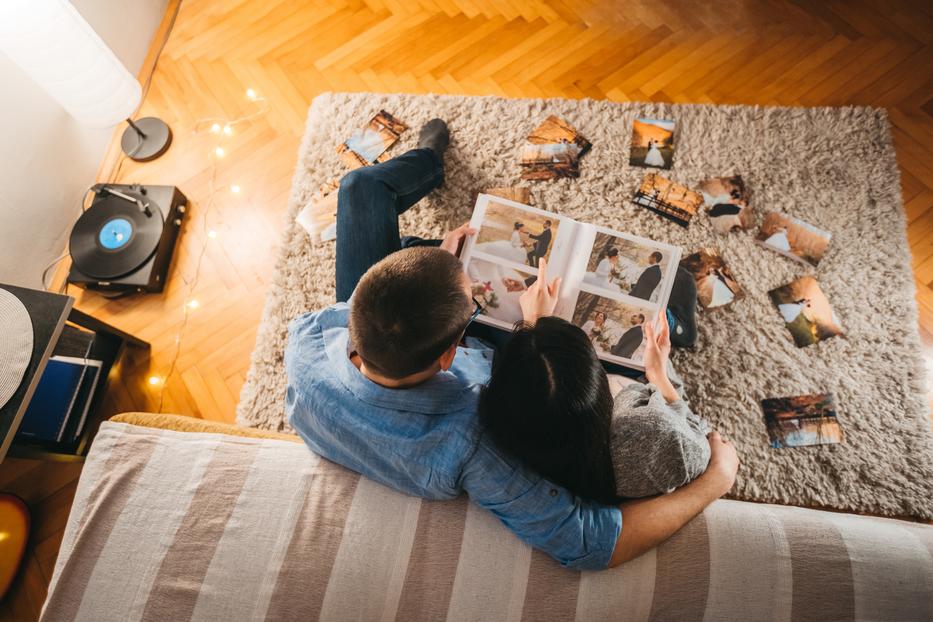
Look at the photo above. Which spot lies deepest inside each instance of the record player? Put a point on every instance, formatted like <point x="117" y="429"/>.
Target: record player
<point x="125" y="239"/>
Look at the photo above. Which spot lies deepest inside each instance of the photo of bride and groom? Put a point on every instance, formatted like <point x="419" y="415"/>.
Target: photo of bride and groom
<point x="613" y="327"/>
<point x="652" y="143"/>
<point x="517" y="235"/>
<point x="624" y="266"/>
<point x="716" y="287"/>
<point x="806" y="312"/>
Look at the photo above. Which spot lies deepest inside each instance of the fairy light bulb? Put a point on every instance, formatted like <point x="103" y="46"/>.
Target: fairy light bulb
<point x="193" y="304"/>
<point x="219" y="152"/>
<point x="215" y="128"/>
<point x="212" y="234"/>
<point x="235" y="189"/>
<point x="154" y="380"/>
<point x="228" y="130"/>
<point x="251" y="94"/>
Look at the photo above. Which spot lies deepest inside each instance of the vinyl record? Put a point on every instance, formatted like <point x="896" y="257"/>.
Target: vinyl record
<point x="114" y="237"/>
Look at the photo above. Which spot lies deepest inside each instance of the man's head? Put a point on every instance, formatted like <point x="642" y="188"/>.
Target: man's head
<point x="637" y="319"/>
<point x="547" y="224"/>
<point x="408" y="312"/>
<point x="655" y="257"/>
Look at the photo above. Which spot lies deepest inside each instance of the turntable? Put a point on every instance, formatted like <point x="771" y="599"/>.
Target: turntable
<point x="125" y="239"/>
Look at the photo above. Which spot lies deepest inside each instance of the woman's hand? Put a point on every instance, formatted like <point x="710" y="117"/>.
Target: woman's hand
<point x="540" y="299"/>
<point x="453" y="241"/>
<point x="657" y="353"/>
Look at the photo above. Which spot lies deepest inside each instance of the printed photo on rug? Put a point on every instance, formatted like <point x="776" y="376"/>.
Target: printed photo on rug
<point x="652" y="143"/>
<point x="368" y="144"/>
<point x="806" y="311"/>
<point x="319" y="216"/>
<point x="726" y="200"/>
<point x="716" y="287"/>
<point x="553" y="150"/>
<point x="614" y="327"/>
<point x="520" y="236"/>
<point x="793" y="238"/>
<point x="802" y="420"/>
<point x="626" y="266"/>
<point x="669" y="199"/>
<point x="497" y="289"/>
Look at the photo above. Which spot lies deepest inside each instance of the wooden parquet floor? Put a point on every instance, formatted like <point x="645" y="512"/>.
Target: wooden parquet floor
<point x="781" y="52"/>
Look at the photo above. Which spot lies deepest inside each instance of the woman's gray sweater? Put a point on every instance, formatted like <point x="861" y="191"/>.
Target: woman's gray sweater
<point x="656" y="446"/>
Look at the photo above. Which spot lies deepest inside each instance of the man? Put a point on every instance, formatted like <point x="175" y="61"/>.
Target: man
<point x="542" y="242"/>
<point x="382" y="386"/>
<point x="630" y="339"/>
<point x="649" y="279"/>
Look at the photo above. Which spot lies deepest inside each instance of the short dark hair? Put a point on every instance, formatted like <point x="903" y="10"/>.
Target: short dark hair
<point x="657" y="256"/>
<point x="612" y="252"/>
<point x="547" y="222"/>
<point x="548" y="404"/>
<point x="407" y="310"/>
<point x="519" y="225"/>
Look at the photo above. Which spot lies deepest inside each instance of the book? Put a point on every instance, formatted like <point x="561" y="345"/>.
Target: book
<point x="54" y="399"/>
<point x="652" y="143"/>
<point x="74" y="425"/>
<point x="727" y="203"/>
<point x="553" y="150"/>
<point x="793" y="238"/>
<point x="716" y="287"/>
<point x="806" y="312"/>
<point x="613" y="282"/>
<point x="666" y="198"/>
<point x="802" y="420"/>
<point x="368" y="144"/>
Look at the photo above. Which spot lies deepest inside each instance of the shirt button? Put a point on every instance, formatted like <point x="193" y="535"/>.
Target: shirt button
<point x="553" y="492"/>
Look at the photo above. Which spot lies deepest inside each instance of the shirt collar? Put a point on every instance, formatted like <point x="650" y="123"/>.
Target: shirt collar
<point x="441" y="394"/>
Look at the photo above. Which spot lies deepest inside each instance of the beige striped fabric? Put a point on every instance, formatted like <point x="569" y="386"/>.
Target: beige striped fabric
<point x="173" y="525"/>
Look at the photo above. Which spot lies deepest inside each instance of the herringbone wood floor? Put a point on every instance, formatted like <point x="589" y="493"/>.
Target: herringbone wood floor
<point x="787" y="52"/>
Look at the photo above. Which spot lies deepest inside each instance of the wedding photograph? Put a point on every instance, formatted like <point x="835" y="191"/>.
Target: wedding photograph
<point x="553" y="150"/>
<point x="652" y="143"/>
<point x="615" y="328"/>
<point x="497" y="289"/>
<point x="367" y="144"/>
<point x="727" y="205"/>
<point x="806" y="311"/>
<point x="793" y="238"/>
<point x="515" y="234"/>
<point x="716" y="287"/>
<point x="624" y="266"/>
<point x="668" y="199"/>
<point x="801" y="420"/>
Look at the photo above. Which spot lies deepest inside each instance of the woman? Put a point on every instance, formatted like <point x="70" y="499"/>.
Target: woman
<point x="606" y="271"/>
<point x="512" y="249"/>
<point x="549" y="404"/>
<point x="654" y="157"/>
<point x="601" y="331"/>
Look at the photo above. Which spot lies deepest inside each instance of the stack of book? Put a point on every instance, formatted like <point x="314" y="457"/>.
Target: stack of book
<point x="60" y="405"/>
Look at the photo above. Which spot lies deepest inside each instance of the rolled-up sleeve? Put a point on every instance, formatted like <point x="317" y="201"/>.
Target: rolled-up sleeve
<point x="578" y="534"/>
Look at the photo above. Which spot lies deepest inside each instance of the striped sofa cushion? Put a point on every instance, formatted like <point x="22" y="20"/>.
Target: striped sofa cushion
<point x="172" y="525"/>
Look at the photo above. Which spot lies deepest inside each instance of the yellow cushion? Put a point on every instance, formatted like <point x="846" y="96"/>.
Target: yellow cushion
<point x="14" y="531"/>
<point x="181" y="423"/>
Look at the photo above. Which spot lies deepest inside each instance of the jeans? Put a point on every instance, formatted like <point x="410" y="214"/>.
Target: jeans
<point x="369" y="203"/>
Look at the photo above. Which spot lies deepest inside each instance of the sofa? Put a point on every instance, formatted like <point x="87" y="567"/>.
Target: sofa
<point x="209" y="521"/>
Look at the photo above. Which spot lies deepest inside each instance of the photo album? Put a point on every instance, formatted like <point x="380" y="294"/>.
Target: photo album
<point x="612" y="284"/>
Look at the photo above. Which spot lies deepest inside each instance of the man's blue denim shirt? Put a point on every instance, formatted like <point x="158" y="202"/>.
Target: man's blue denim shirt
<point x="427" y="441"/>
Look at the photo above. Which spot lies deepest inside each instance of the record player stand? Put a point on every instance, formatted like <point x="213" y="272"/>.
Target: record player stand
<point x="48" y="313"/>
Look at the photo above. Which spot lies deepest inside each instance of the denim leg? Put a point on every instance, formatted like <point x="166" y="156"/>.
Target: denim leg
<point x="369" y="202"/>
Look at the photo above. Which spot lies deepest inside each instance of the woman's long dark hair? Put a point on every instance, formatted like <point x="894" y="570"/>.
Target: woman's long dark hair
<point x="548" y="404"/>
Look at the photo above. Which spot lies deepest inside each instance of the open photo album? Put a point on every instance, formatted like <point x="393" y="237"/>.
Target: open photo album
<point x="613" y="282"/>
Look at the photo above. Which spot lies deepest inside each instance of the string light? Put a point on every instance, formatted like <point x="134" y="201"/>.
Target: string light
<point x="221" y="131"/>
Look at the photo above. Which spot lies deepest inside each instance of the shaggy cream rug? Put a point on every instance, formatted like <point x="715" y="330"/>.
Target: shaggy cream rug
<point x="833" y="167"/>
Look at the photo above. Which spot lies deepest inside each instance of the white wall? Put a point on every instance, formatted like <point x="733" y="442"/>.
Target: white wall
<point x="47" y="159"/>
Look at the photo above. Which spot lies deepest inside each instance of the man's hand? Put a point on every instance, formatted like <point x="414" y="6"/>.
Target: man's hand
<point x="453" y="241"/>
<point x="540" y="299"/>
<point x="723" y="462"/>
